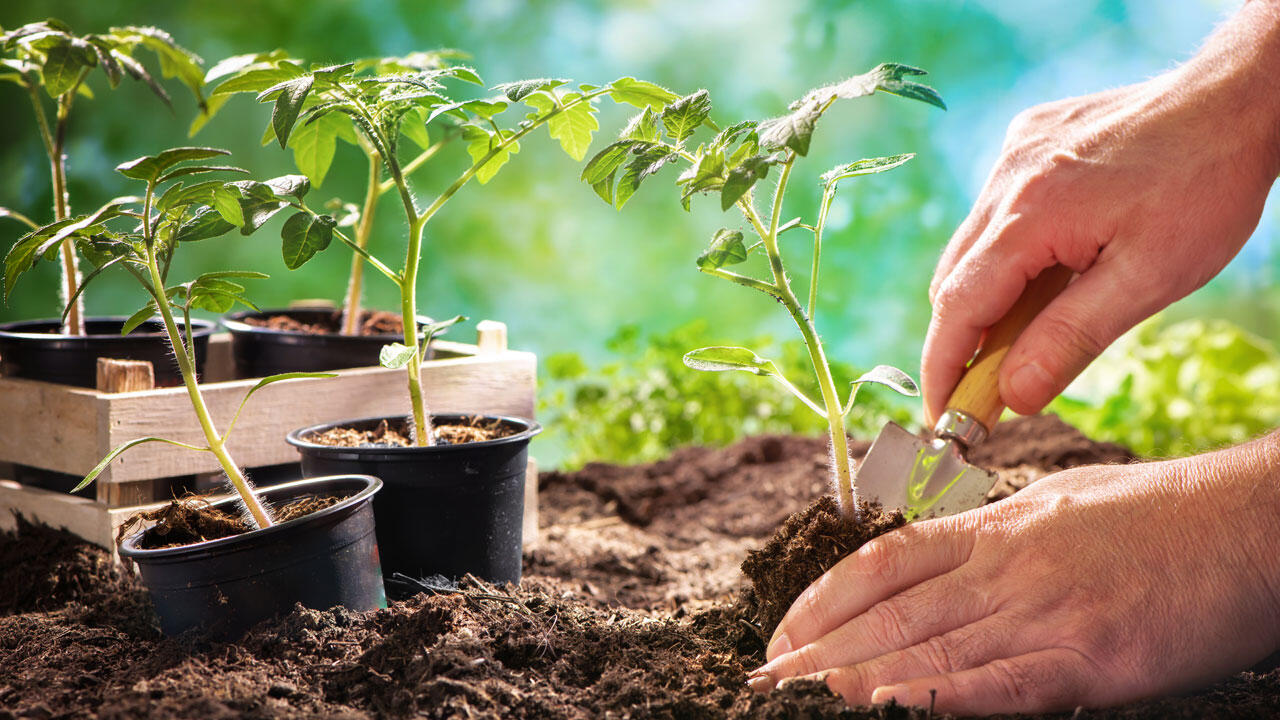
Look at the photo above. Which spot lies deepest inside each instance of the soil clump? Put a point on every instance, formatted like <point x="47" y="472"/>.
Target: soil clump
<point x="397" y="434"/>
<point x="191" y="519"/>
<point x="628" y="611"/>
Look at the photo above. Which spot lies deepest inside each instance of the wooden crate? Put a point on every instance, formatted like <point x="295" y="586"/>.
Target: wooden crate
<point x="68" y="429"/>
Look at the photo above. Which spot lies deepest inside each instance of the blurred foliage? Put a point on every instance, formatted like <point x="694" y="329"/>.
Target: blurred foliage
<point x="1173" y="389"/>
<point x="644" y="403"/>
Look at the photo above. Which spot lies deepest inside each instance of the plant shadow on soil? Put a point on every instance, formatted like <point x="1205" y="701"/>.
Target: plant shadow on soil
<point x="631" y="607"/>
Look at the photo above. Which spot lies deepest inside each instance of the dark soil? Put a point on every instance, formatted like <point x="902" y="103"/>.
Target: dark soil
<point x="191" y="519"/>
<point x="398" y="434"/>
<point x="372" y="322"/>
<point x="627" y="611"/>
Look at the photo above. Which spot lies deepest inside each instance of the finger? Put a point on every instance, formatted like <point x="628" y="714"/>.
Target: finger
<point x="983" y="287"/>
<point x="1041" y="681"/>
<point x="968" y="646"/>
<point x="928" y="610"/>
<point x="882" y="567"/>
<point x="963" y="239"/>
<point x="1094" y="310"/>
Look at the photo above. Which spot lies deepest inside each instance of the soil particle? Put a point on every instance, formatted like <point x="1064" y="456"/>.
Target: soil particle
<point x="397" y="434"/>
<point x="372" y="322"/>
<point x="190" y="520"/>
<point x="626" y="614"/>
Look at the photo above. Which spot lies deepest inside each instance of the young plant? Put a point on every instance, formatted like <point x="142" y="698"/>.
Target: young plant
<point x="730" y="165"/>
<point x="142" y="235"/>
<point x="382" y="102"/>
<point x="47" y="58"/>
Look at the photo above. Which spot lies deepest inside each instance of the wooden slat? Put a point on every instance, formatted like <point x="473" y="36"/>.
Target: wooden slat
<point x="79" y="516"/>
<point x="115" y="376"/>
<point x="48" y="426"/>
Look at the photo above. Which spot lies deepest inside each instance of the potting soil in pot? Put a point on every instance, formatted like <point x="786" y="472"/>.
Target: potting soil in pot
<point x="629" y="608"/>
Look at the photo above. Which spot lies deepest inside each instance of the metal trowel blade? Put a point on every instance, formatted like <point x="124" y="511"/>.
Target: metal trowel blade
<point x="920" y="477"/>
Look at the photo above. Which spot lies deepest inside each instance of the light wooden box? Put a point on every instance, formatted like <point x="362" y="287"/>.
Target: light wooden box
<point x="69" y="429"/>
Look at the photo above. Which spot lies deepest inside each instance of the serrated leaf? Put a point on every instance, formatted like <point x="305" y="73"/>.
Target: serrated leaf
<point x="640" y="93"/>
<point x="721" y="359"/>
<point x="573" y="126"/>
<point x="740" y="179"/>
<point x="395" y="356"/>
<point x="303" y="236"/>
<point x="607" y="161"/>
<point x="314" y="145"/>
<point x="890" y="78"/>
<point x="149" y="167"/>
<point x="682" y="117"/>
<point x="480" y="144"/>
<point x="520" y="89"/>
<point x="644" y="164"/>
<point x="288" y="105"/>
<point x="865" y="167"/>
<point x="727" y="136"/>
<point x="255" y="81"/>
<point x="22" y="255"/>
<point x="793" y="130"/>
<point x="642" y="126"/>
<point x="726" y="248"/>
<point x="205" y="224"/>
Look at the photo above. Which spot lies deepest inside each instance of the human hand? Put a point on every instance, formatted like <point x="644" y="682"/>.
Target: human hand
<point x="1147" y="191"/>
<point x="1094" y="586"/>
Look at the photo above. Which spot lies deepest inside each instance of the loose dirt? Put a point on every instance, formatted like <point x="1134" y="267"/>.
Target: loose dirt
<point x="397" y="434"/>
<point x="372" y="322"/>
<point x="191" y="519"/>
<point x="629" y="610"/>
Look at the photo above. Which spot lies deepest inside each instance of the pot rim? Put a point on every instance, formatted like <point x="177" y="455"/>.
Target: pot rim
<point x="128" y="548"/>
<point x="200" y="327"/>
<point x="235" y="323"/>
<point x="531" y="428"/>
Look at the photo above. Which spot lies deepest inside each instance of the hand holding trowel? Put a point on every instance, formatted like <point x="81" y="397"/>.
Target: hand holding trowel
<point x="930" y="477"/>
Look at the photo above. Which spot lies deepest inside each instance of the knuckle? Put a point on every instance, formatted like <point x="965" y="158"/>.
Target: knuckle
<point x="1079" y="338"/>
<point x="881" y="559"/>
<point x="804" y="661"/>
<point x="939" y="654"/>
<point x="851" y="683"/>
<point x="888" y="620"/>
<point x="1010" y="682"/>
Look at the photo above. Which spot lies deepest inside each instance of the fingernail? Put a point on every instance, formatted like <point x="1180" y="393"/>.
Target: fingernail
<point x="1029" y="384"/>
<point x="900" y="694"/>
<point x="760" y="683"/>
<point x="780" y="645"/>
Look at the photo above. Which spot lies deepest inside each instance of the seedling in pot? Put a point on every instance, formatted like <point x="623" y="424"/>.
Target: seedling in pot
<point x="384" y="102"/>
<point x="730" y="165"/>
<point x="142" y="235"/>
<point x="48" y="58"/>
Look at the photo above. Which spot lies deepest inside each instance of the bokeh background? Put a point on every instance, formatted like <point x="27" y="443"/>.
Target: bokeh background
<point x="535" y="247"/>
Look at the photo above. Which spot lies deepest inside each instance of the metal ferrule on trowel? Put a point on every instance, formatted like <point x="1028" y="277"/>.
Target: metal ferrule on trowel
<point x="929" y="476"/>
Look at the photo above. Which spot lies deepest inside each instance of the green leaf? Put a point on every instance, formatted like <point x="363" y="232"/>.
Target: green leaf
<point x="572" y="126"/>
<point x="314" y="144"/>
<point x="890" y="78"/>
<point x="643" y="126"/>
<point x="865" y="167"/>
<point x="149" y="167"/>
<point x="740" y="179"/>
<point x="726" y="248"/>
<point x="682" y="117"/>
<point x="414" y="126"/>
<point x="257" y="203"/>
<point x="426" y="331"/>
<point x="207" y="223"/>
<point x="304" y="236"/>
<point x="295" y="186"/>
<point x="727" y="136"/>
<point x="175" y="61"/>
<point x="227" y="202"/>
<point x="268" y="380"/>
<point x="721" y="359"/>
<point x="198" y="169"/>
<point x="255" y="81"/>
<point x="288" y="105"/>
<point x="793" y="130"/>
<point x="395" y="356"/>
<point x="147" y="312"/>
<point x="480" y="144"/>
<point x="607" y="161"/>
<point x="61" y="69"/>
<point x="520" y="89"/>
<point x="111" y="456"/>
<point x="706" y="174"/>
<point x="890" y="377"/>
<point x="645" y="163"/>
<point x="641" y="93"/>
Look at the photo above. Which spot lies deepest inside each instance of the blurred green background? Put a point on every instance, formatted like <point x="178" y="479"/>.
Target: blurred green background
<point x="535" y="247"/>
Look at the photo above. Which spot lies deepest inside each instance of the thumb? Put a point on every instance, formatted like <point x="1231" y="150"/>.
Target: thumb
<point x="1094" y="310"/>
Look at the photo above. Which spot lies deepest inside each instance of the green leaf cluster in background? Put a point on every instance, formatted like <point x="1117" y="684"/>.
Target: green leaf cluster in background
<point x="645" y="402"/>
<point x="1174" y="389"/>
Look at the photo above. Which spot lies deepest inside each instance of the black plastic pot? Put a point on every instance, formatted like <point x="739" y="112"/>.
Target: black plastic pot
<point x="225" y="586"/>
<point x="444" y="510"/>
<point x="34" y="349"/>
<point x="261" y="351"/>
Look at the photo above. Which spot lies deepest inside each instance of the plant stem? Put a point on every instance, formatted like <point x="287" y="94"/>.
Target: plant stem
<point x="186" y="366"/>
<point x="74" y="324"/>
<point x="351" y="308"/>
<point x="828" y="193"/>
<point x="841" y="471"/>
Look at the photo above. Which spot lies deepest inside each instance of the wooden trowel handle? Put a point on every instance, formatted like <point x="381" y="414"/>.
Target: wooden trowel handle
<point x="978" y="393"/>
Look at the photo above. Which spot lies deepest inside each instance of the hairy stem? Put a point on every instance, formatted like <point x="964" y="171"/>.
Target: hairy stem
<point x="351" y="308"/>
<point x="828" y="193"/>
<point x="186" y="365"/>
<point x="74" y="323"/>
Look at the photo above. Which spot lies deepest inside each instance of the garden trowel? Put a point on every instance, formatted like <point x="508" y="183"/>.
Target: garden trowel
<point x="925" y="477"/>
